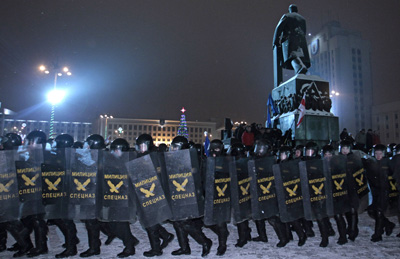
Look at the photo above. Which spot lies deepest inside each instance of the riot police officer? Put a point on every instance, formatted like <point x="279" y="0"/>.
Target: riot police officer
<point x="311" y="152"/>
<point x="144" y="145"/>
<point x="262" y="149"/>
<point x="192" y="227"/>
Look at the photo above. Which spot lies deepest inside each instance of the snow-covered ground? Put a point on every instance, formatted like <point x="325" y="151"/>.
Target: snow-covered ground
<point x="361" y="248"/>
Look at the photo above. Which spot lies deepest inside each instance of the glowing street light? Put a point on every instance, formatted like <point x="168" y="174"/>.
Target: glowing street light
<point x="55" y="96"/>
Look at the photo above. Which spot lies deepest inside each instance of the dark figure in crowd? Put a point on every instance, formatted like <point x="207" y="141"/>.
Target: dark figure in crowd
<point x="344" y="134"/>
<point x="248" y="138"/>
<point x="122" y="230"/>
<point x="144" y="145"/>
<point x="67" y="227"/>
<point x="192" y="227"/>
<point x="378" y="181"/>
<point x="262" y="149"/>
<point x="19" y="232"/>
<point x="345" y="149"/>
<point x="217" y="150"/>
<point x="328" y="151"/>
<point x="323" y="224"/>
<point x="237" y="150"/>
<point x="285" y="155"/>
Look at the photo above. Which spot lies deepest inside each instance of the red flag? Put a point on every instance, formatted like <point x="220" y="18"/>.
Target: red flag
<point x="302" y="109"/>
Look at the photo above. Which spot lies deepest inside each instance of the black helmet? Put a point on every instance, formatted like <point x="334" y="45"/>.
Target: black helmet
<point x="162" y="147"/>
<point x="191" y="144"/>
<point x="36" y="137"/>
<point x="379" y="147"/>
<point x="96" y="141"/>
<point x="328" y="149"/>
<point x="179" y="142"/>
<point x="285" y="150"/>
<point x="311" y="146"/>
<point x="120" y="144"/>
<point x="144" y="143"/>
<point x="64" y="141"/>
<point x="77" y="144"/>
<point x="299" y="148"/>
<point x="216" y="147"/>
<point x="261" y="148"/>
<point x="236" y="150"/>
<point x="12" y="140"/>
<point x="389" y="149"/>
<point x="396" y="149"/>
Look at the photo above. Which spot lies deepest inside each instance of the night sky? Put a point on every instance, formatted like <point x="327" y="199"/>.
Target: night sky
<point x="147" y="59"/>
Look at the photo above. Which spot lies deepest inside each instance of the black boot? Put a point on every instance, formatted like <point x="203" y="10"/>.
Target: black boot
<point x="93" y="231"/>
<point x="40" y="228"/>
<point x="128" y="251"/>
<point x="379" y="227"/>
<point x="352" y="224"/>
<point x="324" y="230"/>
<point x="3" y="237"/>
<point x="194" y="229"/>
<point x="341" y="225"/>
<point x="262" y="233"/>
<point x="331" y="231"/>
<point x="244" y="233"/>
<point x="307" y="226"/>
<point x="300" y="232"/>
<point x="223" y="234"/>
<point x="105" y="228"/>
<point x="14" y="247"/>
<point x="21" y="235"/>
<point x="183" y="241"/>
<point x="389" y="226"/>
<point x="288" y="231"/>
<point x="165" y="236"/>
<point x="70" y="238"/>
<point x="154" y="238"/>
<point x="280" y="230"/>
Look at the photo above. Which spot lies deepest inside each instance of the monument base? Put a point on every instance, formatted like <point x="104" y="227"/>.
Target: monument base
<point x="319" y="125"/>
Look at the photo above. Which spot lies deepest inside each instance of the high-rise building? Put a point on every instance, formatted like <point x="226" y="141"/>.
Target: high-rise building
<point x="342" y="57"/>
<point x="386" y="120"/>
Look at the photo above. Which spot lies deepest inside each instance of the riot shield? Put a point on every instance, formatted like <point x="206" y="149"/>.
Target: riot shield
<point x="288" y="190"/>
<point x="394" y="167"/>
<point x="357" y="182"/>
<point x="28" y="160"/>
<point x="55" y="188"/>
<point x="217" y="208"/>
<point x="377" y="174"/>
<point x="264" y="203"/>
<point x="317" y="195"/>
<point x="158" y="160"/>
<point x="340" y="184"/>
<point x="82" y="182"/>
<point x="185" y="196"/>
<point x="153" y="207"/>
<point x="117" y="199"/>
<point x="9" y="198"/>
<point x="240" y="191"/>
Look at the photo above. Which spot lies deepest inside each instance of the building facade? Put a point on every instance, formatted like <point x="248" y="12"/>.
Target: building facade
<point x="342" y="57"/>
<point x="130" y="129"/>
<point x="78" y="130"/>
<point x="385" y="120"/>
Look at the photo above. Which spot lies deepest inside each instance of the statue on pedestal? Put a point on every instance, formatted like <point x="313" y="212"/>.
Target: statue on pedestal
<point x="290" y="45"/>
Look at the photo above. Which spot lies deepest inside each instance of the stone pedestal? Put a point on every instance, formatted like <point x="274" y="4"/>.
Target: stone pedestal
<point x="319" y="124"/>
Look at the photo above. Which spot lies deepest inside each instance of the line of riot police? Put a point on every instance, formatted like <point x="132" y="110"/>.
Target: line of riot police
<point x="61" y="181"/>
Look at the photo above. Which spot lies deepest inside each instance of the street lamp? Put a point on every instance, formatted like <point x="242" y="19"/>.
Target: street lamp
<point x="55" y="96"/>
<point x="106" y="117"/>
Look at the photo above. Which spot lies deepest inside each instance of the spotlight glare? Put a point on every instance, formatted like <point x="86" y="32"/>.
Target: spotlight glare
<point x="42" y="68"/>
<point x="55" y="96"/>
